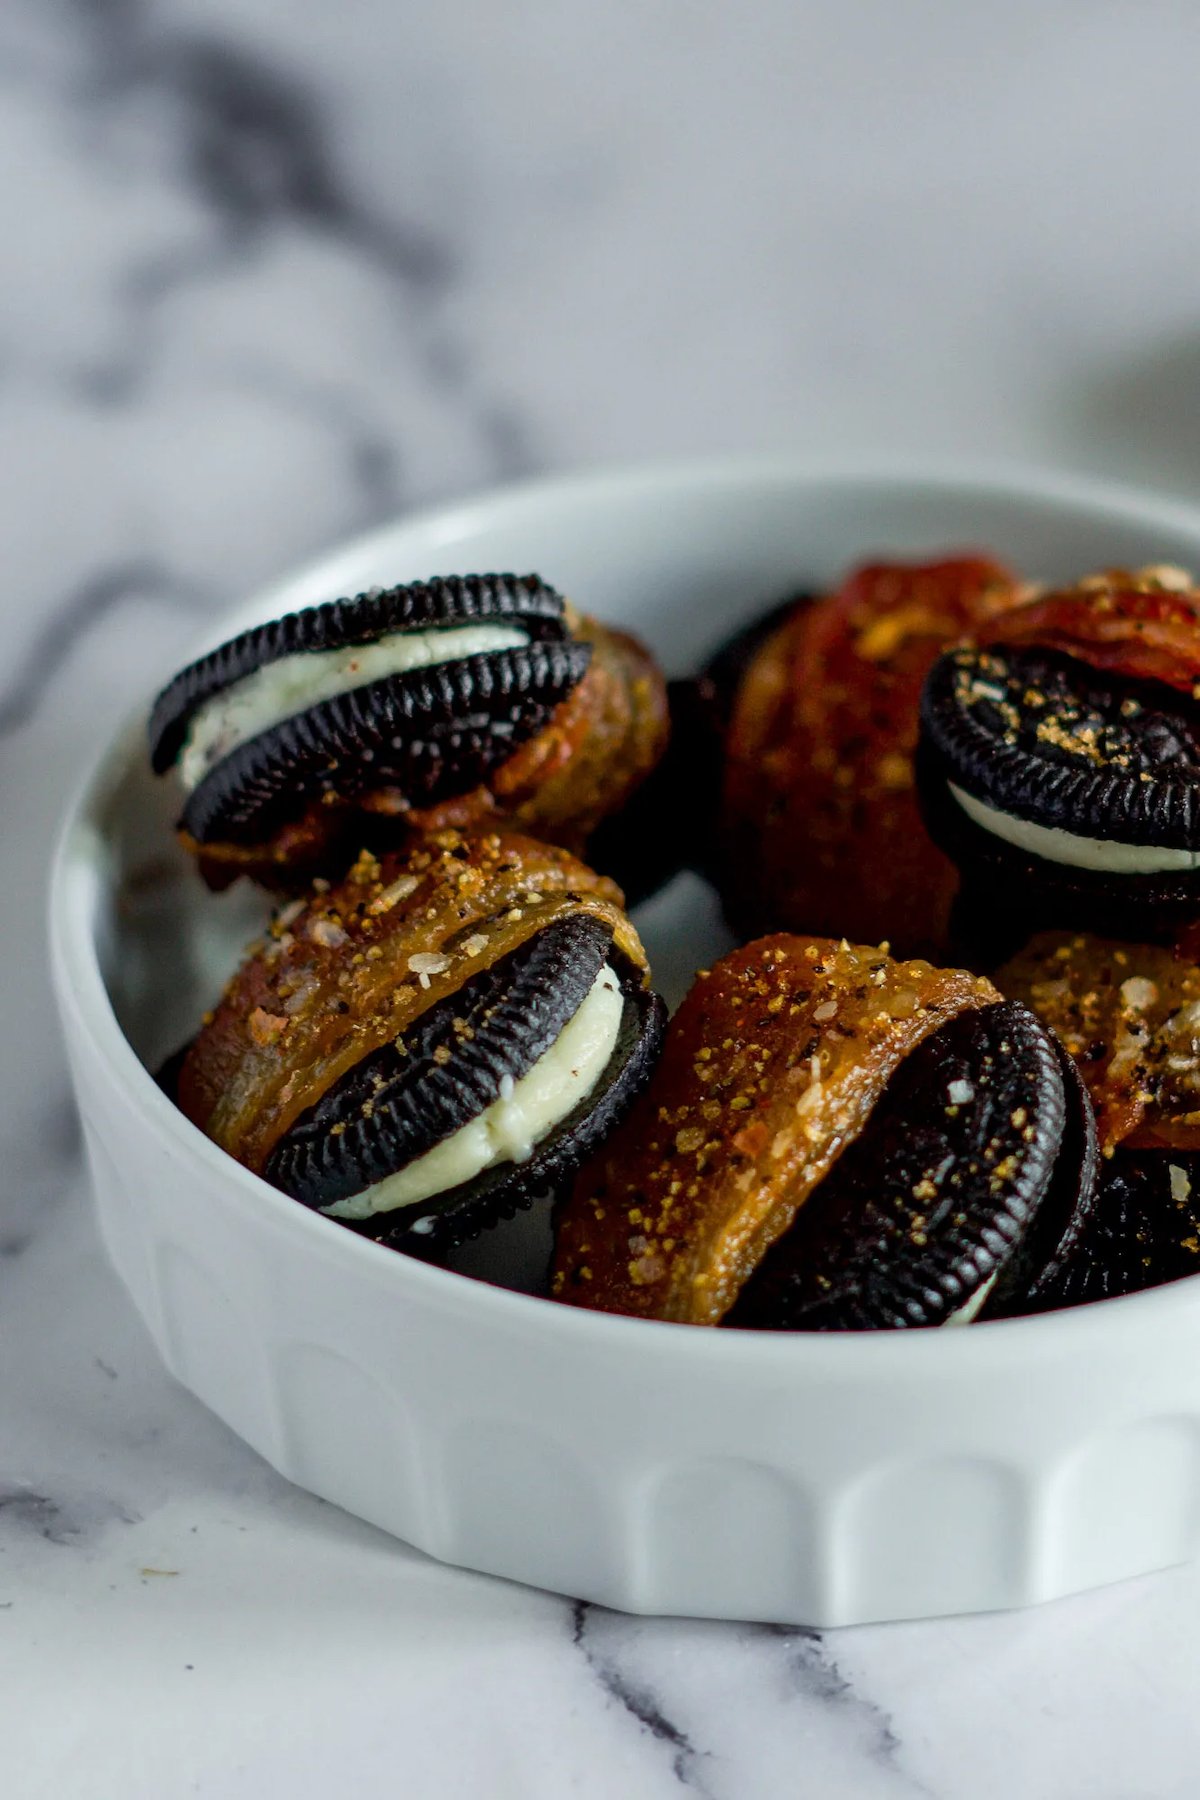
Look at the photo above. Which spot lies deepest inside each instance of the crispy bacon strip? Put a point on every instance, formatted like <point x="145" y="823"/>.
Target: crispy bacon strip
<point x="821" y="826"/>
<point x="598" y="746"/>
<point x="351" y="968"/>
<point x="1130" y="1016"/>
<point x="771" y="1067"/>
<point x="1141" y="623"/>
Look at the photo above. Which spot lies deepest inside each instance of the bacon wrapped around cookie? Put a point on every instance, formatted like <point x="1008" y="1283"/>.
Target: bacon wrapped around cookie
<point x="1130" y="1016"/>
<point x="833" y="1139"/>
<point x="435" y="1041"/>
<point x="460" y="701"/>
<point x="820" y="827"/>
<point x="1059" y="762"/>
<point x="1144" y="623"/>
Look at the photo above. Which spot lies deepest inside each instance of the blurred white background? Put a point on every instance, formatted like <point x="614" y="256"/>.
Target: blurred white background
<point x="275" y="267"/>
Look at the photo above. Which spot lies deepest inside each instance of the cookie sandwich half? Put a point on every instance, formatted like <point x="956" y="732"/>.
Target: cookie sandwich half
<point x="433" y="1043"/>
<point x="835" y="1140"/>
<point x="466" y="699"/>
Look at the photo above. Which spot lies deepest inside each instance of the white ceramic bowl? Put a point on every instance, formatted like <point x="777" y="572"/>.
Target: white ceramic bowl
<point x="652" y="1467"/>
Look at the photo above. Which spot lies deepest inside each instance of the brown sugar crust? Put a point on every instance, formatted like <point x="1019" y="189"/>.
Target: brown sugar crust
<point x="349" y="969"/>
<point x="1129" y="1014"/>
<point x="599" y="745"/>
<point x="821" y="830"/>
<point x="771" y="1067"/>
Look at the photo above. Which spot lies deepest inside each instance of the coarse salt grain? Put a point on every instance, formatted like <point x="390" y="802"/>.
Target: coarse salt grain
<point x="959" y="1092"/>
<point x="1139" y="993"/>
<point x="395" y="892"/>
<point x="327" y="934"/>
<point x="426" y="963"/>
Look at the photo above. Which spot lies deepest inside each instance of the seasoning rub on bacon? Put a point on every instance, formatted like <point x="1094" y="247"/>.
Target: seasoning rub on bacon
<point x="836" y="1140"/>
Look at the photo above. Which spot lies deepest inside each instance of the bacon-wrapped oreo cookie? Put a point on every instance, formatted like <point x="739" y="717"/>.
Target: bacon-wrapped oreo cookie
<point x="1129" y="1014"/>
<point x="443" y="703"/>
<point x="969" y="1187"/>
<point x="819" y="824"/>
<point x="832" y="1139"/>
<point x="1059" y="761"/>
<point x="431" y="1044"/>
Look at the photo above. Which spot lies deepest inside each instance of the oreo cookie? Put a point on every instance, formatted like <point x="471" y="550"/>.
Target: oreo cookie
<point x="431" y="1043"/>
<point x="1067" y="794"/>
<point x="774" y="1068"/>
<point x="423" y="689"/>
<point x="487" y="1099"/>
<point x="1064" y="1216"/>
<point x="976" y="1164"/>
<point x="1143" y="1231"/>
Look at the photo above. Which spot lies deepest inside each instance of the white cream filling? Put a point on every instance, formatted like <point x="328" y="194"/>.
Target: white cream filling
<point x="281" y="689"/>
<point x="970" y="1309"/>
<point x="1054" y="845"/>
<point x="511" y="1128"/>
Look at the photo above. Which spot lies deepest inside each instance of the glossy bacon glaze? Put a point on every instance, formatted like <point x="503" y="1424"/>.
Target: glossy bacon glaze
<point x="1129" y="1014"/>
<point x="821" y="830"/>
<point x="349" y="970"/>
<point x="1142" y="622"/>
<point x="771" y="1067"/>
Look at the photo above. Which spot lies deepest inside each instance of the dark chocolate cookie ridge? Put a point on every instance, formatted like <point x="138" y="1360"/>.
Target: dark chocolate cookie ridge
<point x="1045" y="738"/>
<point x="922" y="1213"/>
<point x="1060" y="1223"/>
<point x="430" y="732"/>
<point x="1143" y="1232"/>
<point x="399" y="1102"/>
<point x="1007" y="893"/>
<point x="445" y="602"/>
<point x="504" y="1190"/>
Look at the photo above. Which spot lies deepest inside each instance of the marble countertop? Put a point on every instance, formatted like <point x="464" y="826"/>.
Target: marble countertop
<point x="277" y="269"/>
